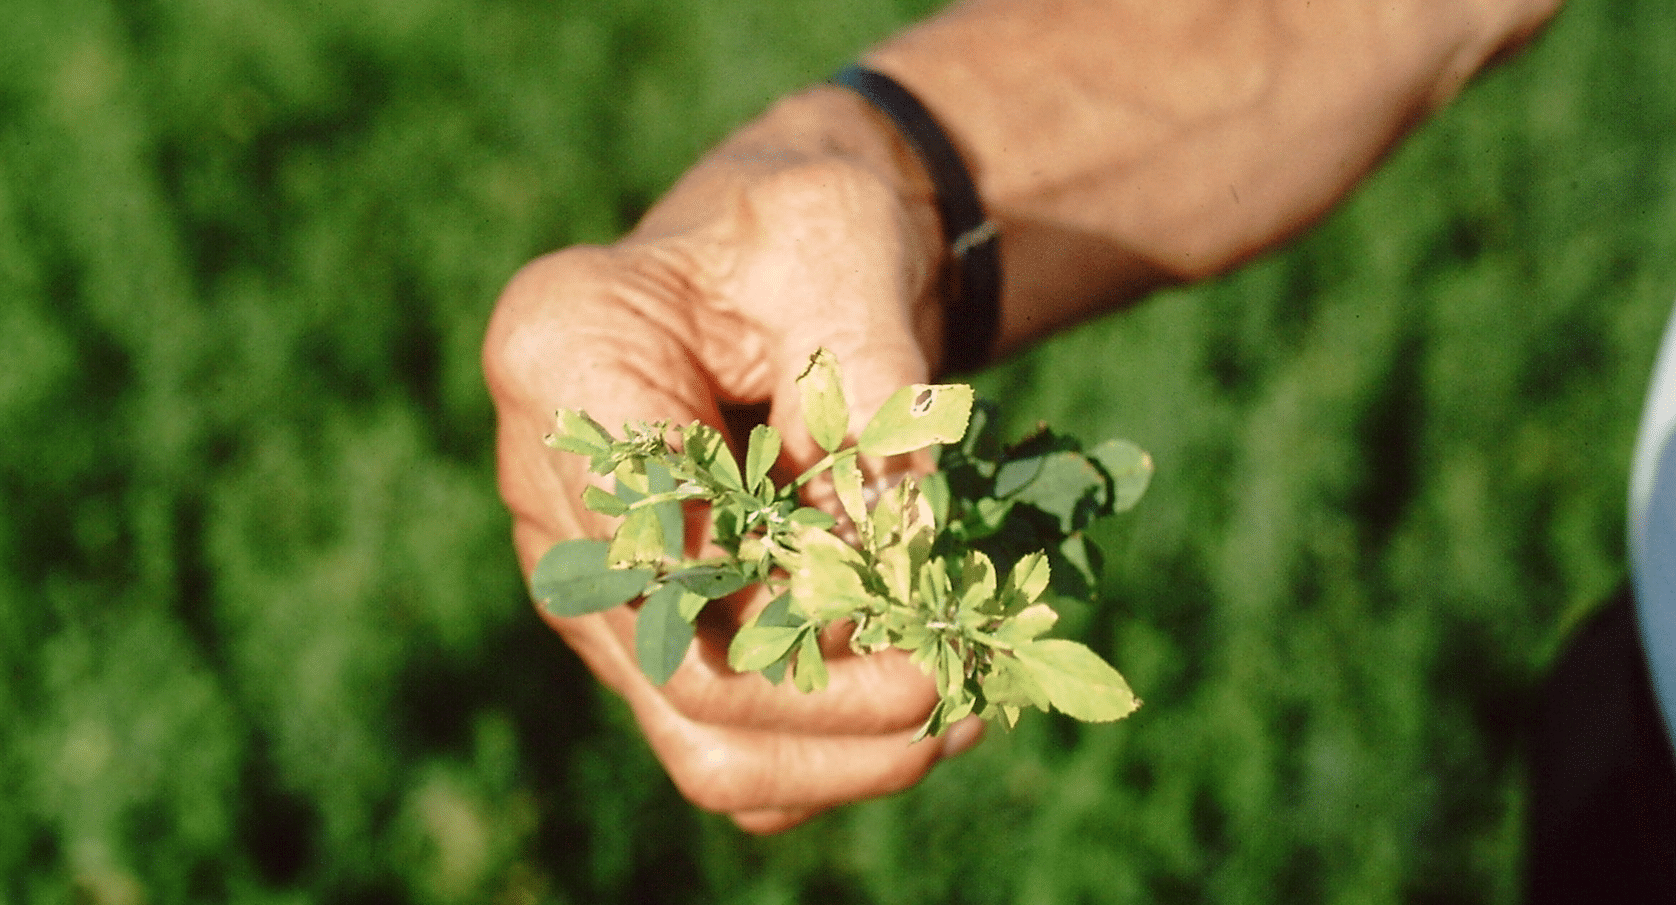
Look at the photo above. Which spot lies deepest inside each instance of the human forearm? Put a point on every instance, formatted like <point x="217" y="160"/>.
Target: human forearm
<point x="1120" y="145"/>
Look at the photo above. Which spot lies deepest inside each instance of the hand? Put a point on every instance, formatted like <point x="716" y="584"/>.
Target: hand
<point x="810" y="228"/>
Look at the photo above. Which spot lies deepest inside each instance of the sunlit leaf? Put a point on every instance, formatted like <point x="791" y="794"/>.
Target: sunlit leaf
<point x="760" y="454"/>
<point x="808" y="671"/>
<point x="1077" y="681"/>
<point x="846" y="481"/>
<point x="639" y="540"/>
<point x="917" y="416"/>
<point x="580" y="434"/>
<point x="1027" y="625"/>
<point x="1011" y="683"/>
<point x="603" y="502"/>
<point x="826" y="581"/>
<point x="810" y="517"/>
<point x="709" y="448"/>
<point x="1026" y="582"/>
<point x="825" y="412"/>
<point x="573" y="580"/>
<point x="756" y="646"/>
<point x="691" y="604"/>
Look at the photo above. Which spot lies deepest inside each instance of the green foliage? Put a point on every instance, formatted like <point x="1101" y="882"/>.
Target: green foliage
<point x="263" y="639"/>
<point x="917" y="581"/>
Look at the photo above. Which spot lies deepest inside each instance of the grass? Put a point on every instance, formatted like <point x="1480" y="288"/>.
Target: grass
<point x="264" y="640"/>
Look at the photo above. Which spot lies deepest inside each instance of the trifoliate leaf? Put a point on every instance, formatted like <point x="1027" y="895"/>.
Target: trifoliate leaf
<point x="1077" y="681"/>
<point x="757" y="646"/>
<point x="825" y="412"/>
<point x="760" y="455"/>
<point x="1130" y="470"/>
<point x="917" y="416"/>
<point x="808" y="671"/>
<point x="933" y="584"/>
<point x="573" y="580"/>
<point x="639" y="540"/>
<point x="661" y="635"/>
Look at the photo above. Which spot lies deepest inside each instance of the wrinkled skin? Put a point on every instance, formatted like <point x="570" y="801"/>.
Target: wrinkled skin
<point x="718" y="298"/>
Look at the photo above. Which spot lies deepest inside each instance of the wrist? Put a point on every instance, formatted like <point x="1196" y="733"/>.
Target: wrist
<point x="835" y="124"/>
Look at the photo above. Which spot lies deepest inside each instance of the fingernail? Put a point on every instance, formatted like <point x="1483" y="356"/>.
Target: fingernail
<point x="961" y="737"/>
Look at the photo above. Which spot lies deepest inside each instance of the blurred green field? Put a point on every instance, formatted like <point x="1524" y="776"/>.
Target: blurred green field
<point x="262" y="638"/>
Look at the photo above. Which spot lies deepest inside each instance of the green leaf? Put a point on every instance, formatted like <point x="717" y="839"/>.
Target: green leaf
<point x="603" y="502"/>
<point x="977" y="581"/>
<point x="1130" y="470"/>
<point x="661" y="635"/>
<point x="757" y="646"/>
<point x="760" y="456"/>
<point x="1077" y="681"/>
<point x="1027" y="625"/>
<point x="673" y="524"/>
<point x="826" y="581"/>
<point x="691" y="605"/>
<point x="1067" y="487"/>
<point x="707" y="447"/>
<point x="1016" y="473"/>
<point x="918" y="416"/>
<point x="810" y="517"/>
<point x="808" y="672"/>
<point x="778" y="613"/>
<point x="639" y="540"/>
<point x="572" y="579"/>
<point x="1010" y="683"/>
<point x="935" y="487"/>
<point x="825" y="412"/>
<point x="711" y="580"/>
<point x="579" y="434"/>
<point x="846" y="480"/>
<point x="1026" y="582"/>
<point x="951" y="672"/>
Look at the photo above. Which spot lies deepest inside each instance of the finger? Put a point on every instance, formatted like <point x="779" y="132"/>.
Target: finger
<point x="731" y="770"/>
<point x="768" y="821"/>
<point x="876" y="693"/>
